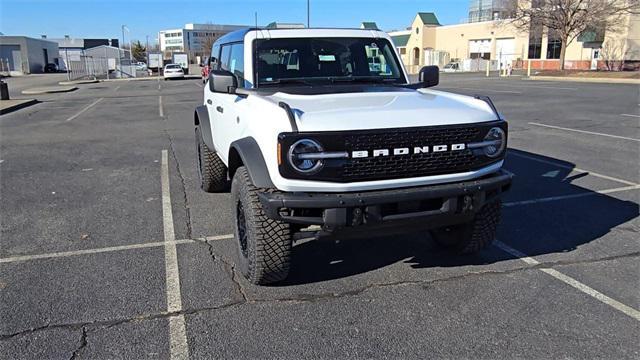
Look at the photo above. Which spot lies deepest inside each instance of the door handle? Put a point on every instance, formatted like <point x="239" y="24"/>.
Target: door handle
<point x="220" y="109"/>
<point x="209" y="101"/>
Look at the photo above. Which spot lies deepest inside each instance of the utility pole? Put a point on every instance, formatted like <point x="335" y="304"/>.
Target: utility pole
<point x="308" y="15"/>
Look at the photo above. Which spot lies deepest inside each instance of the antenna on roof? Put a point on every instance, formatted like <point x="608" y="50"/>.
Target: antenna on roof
<point x="255" y="54"/>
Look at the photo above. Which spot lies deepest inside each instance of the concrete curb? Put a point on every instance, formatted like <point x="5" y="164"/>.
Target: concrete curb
<point x="586" y="80"/>
<point x="16" y="105"/>
<point x="187" y="77"/>
<point x="77" y="82"/>
<point x="48" y="90"/>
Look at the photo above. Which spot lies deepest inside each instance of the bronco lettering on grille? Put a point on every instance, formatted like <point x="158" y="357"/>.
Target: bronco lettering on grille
<point x="359" y="154"/>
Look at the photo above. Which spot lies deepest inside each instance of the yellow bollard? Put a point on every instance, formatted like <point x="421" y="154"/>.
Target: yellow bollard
<point x="488" y="67"/>
<point x="529" y="68"/>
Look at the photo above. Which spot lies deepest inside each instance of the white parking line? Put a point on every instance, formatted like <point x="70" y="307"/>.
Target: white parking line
<point x="85" y="109"/>
<point x="584" y="131"/>
<point x="483" y="90"/>
<point x="160" y="106"/>
<point x="572" y="196"/>
<point x="572" y="282"/>
<point x="630" y="115"/>
<point x="537" y="87"/>
<point x="553" y="163"/>
<point x="116" y="89"/>
<point x="65" y="254"/>
<point x="199" y="85"/>
<point x="179" y="348"/>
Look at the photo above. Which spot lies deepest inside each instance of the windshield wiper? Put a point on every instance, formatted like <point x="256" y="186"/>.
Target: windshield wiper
<point x="362" y="79"/>
<point x="285" y="81"/>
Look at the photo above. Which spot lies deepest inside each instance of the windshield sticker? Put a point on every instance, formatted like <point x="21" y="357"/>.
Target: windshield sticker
<point x="326" y="58"/>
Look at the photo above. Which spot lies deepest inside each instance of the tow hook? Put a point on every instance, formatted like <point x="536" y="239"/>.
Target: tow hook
<point x="467" y="203"/>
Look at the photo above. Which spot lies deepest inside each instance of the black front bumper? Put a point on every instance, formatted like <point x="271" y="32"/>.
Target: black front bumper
<point x="425" y="207"/>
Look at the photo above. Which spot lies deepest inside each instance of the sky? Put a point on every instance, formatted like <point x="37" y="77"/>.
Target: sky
<point x="104" y="18"/>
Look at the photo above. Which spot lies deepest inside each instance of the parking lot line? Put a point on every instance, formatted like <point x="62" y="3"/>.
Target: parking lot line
<point x="479" y="89"/>
<point x="584" y="131"/>
<point x="65" y="254"/>
<point x="160" y="106"/>
<point x="553" y="163"/>
<point x="178" y="346"/>
<point x="537" y="87"/>
<point x="572" y="196"/>
<point x="219" y="237"/>
<point x="116" y="88"/>
<point x="84" y="109"/>
<point x="571" y="281"/>
<point x="630" y="115"/>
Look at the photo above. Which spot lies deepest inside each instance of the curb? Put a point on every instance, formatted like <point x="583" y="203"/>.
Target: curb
<point x="587" y="80"/>
<point x="48" y="90"/>
<point x="77" y="82"/>
<point x="18" y="106"/>
<point x="147" y="78"/>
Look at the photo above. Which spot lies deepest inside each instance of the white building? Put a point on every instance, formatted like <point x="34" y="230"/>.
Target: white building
<point x="193" y="38"/>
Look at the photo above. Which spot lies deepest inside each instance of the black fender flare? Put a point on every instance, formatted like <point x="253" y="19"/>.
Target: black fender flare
<point x="246" y="151"/>
<point x="201" y="119"/>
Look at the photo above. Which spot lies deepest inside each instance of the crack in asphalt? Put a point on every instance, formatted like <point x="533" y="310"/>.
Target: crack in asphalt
<point x="185" y="199"/>
<point x="305" y="298"/>
<point x="83" y="344"/>
<point x="231" y="269"/>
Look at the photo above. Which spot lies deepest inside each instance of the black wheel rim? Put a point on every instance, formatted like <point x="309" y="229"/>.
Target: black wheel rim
<point x="242" y="229"/>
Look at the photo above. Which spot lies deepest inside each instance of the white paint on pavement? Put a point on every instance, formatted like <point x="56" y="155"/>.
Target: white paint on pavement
<point x="571" y="196"/>
<point x="85" y="109"/>
<point x="557" y="164"/>
<point x="65" y="254"/>
<point x="630" y="115"/>
<point x="483" y="90"/>
<point x="179" y="348"/>
<point x="116" y="89"/>
<point x="572" y="282"/>
<point x="219" y="237"/>
<point x="584" y="131"/>
<point x="160" y="106"/>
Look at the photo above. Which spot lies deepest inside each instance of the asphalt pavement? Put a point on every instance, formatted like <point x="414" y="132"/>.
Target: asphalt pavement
<point x="108" y="249"/>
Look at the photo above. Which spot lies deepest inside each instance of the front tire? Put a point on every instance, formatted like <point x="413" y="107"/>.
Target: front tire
<point x="211" y="170"/>
<point x="263" y="245"/>
<point x="473" y="236"/>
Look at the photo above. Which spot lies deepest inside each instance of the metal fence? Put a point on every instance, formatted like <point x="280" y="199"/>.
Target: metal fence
<point x="89" y="67"/>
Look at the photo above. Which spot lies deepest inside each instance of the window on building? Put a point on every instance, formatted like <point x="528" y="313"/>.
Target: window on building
<point x="535" y="40"/>
<point x="554" y="46"/>
<point x="403" y="51"/>
<point x="417" y="30"/>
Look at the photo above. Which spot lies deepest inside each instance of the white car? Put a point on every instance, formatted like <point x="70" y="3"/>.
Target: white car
<point x="173" y="71"/>
<point x="140" y="66"/>
<point x="451" y="67"/>
<point x="326" y="139"/>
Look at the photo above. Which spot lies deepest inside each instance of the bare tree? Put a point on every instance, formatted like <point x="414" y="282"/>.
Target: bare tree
<point x="207" y="44"/>
<point x="613" y="53"/>
<point x="567" y="19"/>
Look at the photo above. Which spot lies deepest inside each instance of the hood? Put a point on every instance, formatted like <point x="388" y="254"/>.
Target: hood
<point x="384" y="109"/>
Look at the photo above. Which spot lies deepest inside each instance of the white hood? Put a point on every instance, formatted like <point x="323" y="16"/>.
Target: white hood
<point x="378" y="110"/>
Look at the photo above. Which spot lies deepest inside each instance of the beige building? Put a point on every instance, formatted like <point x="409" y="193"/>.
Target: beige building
<point x="427" y="42"/>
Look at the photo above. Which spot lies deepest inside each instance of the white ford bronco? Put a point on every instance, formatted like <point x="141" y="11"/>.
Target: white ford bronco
<point x="321" y="127"/>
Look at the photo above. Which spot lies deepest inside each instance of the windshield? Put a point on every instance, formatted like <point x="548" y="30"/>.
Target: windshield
<point x="320" y="60"/>
<point x="174" y="67"/>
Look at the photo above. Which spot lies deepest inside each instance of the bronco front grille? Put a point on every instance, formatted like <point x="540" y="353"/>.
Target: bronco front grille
<point x="395" y="166"/>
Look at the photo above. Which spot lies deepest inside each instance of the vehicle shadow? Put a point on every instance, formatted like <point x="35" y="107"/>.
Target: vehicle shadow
<point x="536" y="229"/>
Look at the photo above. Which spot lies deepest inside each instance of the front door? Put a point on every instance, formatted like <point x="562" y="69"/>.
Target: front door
<point x="595" y="56"/>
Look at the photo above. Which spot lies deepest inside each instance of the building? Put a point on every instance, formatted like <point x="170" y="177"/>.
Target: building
<point x="72" y="49"/>
<point x="25" y="55"/>
<point x="487" y="10"/>
<point x="430" y="43"/>
<point x="194" y="39"/>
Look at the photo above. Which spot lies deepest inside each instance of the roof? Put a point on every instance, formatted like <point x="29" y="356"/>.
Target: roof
<point x="429" y="18"/>
<point x="277" y="25"/>
<point x="400" y="40"/>
<point x="369" y="25"/>
<point x="238" y="35"/>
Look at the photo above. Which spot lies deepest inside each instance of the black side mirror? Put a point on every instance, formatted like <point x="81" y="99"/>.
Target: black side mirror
<point x="222" y="81"/>
<point x="429" y="76"/>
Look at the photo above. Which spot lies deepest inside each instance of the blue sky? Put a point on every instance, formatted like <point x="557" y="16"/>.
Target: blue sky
<point x="103" y="18"/>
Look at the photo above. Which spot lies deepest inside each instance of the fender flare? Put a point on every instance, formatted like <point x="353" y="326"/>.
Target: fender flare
<point x="201" y="119"/>
<point x="246" y="151"/>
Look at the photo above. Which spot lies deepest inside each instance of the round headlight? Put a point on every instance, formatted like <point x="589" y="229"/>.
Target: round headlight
<point x="498" y="140"/>
<point x="300" y="162"/>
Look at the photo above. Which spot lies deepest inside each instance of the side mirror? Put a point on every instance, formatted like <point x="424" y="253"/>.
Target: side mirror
<point x="429" y="76"/>
<point x="222" y="81"/>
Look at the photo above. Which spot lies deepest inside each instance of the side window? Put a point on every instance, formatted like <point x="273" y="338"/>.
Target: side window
<point x="236" y="63"/>
<point x="214" y="60"/>
<point x="224" y="57"/>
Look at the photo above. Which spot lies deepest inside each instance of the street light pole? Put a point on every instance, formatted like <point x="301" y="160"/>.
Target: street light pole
<point x="308" y="15"/>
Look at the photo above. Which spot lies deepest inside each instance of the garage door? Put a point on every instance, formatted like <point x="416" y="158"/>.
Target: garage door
<point x="480" y="48"/>
<point x="505" y="51"/>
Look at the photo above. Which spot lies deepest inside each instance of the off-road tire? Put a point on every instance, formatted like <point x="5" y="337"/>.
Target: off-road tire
<point x="263" y="245"/>
<point x="473" y="236"/>
<point x="211" y="170"/>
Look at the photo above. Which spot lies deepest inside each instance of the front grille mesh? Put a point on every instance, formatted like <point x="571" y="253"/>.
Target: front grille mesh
<point x="412" y="165"/>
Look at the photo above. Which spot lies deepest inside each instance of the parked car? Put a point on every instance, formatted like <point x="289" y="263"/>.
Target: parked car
<point x="51" y="68"/>
<point x="451" y="67"/>
<point x="173" y="71"/>
<point x="140" y="66"/>
<point x="327" y="141"/>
